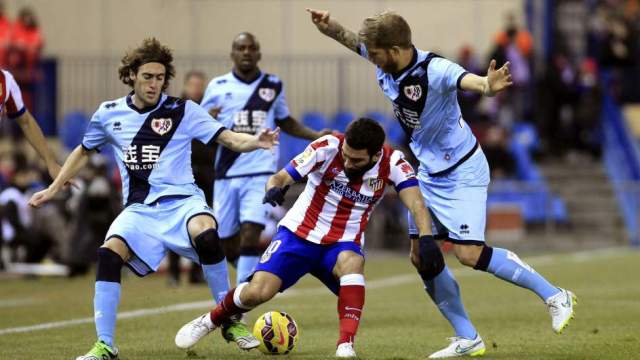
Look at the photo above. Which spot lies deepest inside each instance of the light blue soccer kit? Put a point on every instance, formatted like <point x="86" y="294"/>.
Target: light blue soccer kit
<point x="240" y="179"/>
<point x="453" y="176"/>
<point x="152" y="150"/>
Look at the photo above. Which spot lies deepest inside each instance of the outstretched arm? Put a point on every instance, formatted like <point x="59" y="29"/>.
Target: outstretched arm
<point x="240" y="142"/>
<point x="34" y="135"/>
<point x="412" y="199"/>
<point x="295" y="128"/>
<point x="333" y="29"/>
<point x="493" y="83"/>
<point x="277" y="187"/>
<point x="76" y="161"/>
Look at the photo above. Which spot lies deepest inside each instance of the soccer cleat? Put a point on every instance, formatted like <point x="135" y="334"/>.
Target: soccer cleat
<point x="561" y="309"/>
<point x="236" y="330"/>
<point x="345" y="350"/>
<point x="460" y="346"/>
<point x="192" y="332"/>
<point x="100" y="351"/>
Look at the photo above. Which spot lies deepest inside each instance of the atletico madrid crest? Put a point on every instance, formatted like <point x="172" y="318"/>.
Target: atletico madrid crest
<point x="161" y="126"/>
<point x="376" y="184"/>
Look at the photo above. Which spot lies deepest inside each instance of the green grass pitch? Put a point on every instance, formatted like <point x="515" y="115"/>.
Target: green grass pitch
<point x="399" y="320"/>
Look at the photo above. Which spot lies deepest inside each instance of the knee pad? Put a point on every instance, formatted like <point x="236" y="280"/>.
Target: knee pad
<point x="109" y="265"/>
<point x="208" y="247"/>
<point x="431" y="259"/>
<point x="484" y="259"/>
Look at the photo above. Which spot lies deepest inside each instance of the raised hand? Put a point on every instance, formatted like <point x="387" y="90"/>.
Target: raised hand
<point x="267" y="138"/>
<point x="320" y="18"/>
<point x="498" y="79"/>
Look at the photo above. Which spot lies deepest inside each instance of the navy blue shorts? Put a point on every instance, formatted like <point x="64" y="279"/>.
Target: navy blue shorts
<point x="290" y="257"/>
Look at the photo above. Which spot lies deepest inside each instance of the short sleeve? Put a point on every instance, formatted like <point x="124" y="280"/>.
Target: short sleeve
<point x="95" y="136"/>
<point x="310" y="159"/>
<point x="202" y="126"/>
<point x="281" y="109"/>
<point x="210" y="98"/>
<point x="13" y="100"/>
<point x="401" y="172"/>
<point x="445" y="75"/>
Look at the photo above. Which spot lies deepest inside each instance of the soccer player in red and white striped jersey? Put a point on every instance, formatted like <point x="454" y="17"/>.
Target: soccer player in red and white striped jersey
<point x="323" y="233"/>
<point x="12" y="106"/>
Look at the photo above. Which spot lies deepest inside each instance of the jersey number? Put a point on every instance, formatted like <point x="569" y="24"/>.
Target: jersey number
<point x="273" y="247"/>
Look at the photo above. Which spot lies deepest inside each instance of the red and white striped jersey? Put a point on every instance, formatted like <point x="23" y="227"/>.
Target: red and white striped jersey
<point x="10" y="96"/>
<point x="332" y="209"/>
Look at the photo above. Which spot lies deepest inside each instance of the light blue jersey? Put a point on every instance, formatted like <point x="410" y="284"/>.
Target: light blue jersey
<point x="247" y="108"/>
<point x="152" y="146"/>
<point x="424" y="97"/>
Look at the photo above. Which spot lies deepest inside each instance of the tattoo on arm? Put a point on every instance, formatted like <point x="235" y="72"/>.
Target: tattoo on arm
<point x="344" y="36"/>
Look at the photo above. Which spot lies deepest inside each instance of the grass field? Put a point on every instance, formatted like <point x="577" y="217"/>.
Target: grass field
<point x="399" y="321"/>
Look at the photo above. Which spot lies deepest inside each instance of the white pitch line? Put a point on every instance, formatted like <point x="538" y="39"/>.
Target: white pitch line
<point x="373" y="284"/>
<point x="17" y="302"/>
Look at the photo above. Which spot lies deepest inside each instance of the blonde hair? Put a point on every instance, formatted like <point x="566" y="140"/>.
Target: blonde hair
<point x="385" y="30"/>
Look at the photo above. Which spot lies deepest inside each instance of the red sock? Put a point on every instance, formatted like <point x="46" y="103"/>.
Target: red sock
<point x="350" y="304"/>
<point x="226" y="309"/>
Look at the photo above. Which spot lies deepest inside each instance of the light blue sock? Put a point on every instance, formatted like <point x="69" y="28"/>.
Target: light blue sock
<point x="246" y="265"/>
<point x="508" y="266"/>
<point x="445" y="293"/>
<point x="217" y="276"/>
<point x="105" y="306"/>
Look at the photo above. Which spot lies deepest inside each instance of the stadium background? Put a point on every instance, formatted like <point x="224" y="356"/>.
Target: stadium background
<point x="565" y="146"/>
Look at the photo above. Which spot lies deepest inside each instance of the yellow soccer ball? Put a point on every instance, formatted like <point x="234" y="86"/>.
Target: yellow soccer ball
<point x="277" y="332"/>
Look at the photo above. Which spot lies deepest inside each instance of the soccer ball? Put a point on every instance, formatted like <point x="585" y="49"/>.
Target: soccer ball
<point x="277" y="332"/>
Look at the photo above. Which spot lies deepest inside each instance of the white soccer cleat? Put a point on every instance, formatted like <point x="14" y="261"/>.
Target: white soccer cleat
<point x="345" y="350"/>
<point x="191" y="333"/>
<point x="461" y="347"/>
<point x="561" y="309"/>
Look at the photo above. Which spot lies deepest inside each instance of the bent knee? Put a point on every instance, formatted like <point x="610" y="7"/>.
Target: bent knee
<point x="468" y="255"/>
<point x="349" y="262"/>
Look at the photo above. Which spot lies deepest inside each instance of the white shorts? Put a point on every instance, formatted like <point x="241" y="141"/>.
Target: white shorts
<point x="457" y="201"/>
<point x="150" y="230"/>
<point x="238" y="200"/>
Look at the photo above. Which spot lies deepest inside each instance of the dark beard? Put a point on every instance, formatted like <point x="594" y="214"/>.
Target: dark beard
<point x="356" y="175"/>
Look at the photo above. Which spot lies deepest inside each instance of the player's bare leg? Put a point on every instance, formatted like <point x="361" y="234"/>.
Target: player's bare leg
<point x="507" y="266"/>
<point x="111" y="257"/>
<point x="349" y="269"/>
<point x="244" y="297"/>
<point x="202" y="230"/>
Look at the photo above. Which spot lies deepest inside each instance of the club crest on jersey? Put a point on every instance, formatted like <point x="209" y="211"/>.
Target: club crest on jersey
<point x="413" y="92"/>
<point x="376" y="184"/>
<point x="161" y="126"/>
<point x="267" y="94"/>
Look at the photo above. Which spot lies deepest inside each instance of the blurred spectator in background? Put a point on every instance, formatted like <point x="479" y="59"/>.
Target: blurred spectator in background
<point x="5" y="34"/>
<point x="515" y="45"/>
<point x="495" y="146"/>
<point x="25" y="243"/>
<point x="98" y="205"/>
<point x="202" y="158"/>
<point x="24" y="52"/>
